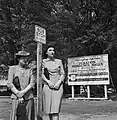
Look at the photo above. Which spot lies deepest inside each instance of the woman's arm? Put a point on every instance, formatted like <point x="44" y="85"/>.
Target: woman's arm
<point x="30" y="86"/>
<point x="62" y="76"/>
<point x="49" y="83"/>
<point x="10" y="84"/>
<point x="62" y="72"/>
<point x="44" y="78"/>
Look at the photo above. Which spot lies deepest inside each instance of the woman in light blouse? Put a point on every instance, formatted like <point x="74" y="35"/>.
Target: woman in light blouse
<point x="53" y="77"/>
<point x="20" y="82"/>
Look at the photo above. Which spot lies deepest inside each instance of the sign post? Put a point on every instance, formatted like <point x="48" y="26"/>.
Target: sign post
<point x="40" y="37"/>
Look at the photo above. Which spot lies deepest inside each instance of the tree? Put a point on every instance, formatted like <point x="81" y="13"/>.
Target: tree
<point x="75" y="27"/>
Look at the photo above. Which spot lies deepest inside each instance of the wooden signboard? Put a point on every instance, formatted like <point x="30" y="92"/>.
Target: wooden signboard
<point x="88" y="70"/>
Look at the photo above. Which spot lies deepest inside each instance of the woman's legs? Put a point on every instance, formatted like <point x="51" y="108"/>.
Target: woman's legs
<point x="14" y="108"/>
<point x="50" y="116"/>
<point x="54" y="116"/>
<point x="30" y="109"/>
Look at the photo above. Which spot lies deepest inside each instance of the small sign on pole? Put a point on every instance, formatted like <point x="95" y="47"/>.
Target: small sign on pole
<point x="40" y="37"/>
<point x="40" y="34"/>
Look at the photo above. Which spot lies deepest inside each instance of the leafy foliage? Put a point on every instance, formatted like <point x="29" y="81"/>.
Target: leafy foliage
<point x="75" y="27"/>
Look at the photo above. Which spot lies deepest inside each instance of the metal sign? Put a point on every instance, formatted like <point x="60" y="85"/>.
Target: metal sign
<point x="88" y="70"/>
<point x="40" y="34"/>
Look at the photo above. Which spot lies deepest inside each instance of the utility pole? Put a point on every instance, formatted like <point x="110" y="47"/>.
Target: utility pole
<point x="40" y="37"/>
<point x="39" y="81"/>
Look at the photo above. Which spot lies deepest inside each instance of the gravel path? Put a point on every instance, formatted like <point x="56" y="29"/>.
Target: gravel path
<point x="74" y="110"/>
<point x="86" y="117"/>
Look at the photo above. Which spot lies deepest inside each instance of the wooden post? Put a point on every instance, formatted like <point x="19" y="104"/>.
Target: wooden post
<point x="39" y="81"/>
<point x="105" y="91"/>
<point x="72" y="92"/>
<point x="88" y="91"/>
<point x="40" y="37"/>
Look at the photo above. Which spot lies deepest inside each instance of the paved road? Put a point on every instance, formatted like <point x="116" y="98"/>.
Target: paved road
<point x="74" y="110"/>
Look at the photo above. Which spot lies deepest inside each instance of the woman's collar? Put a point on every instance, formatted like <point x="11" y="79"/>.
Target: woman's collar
<point x="51" y="59"/>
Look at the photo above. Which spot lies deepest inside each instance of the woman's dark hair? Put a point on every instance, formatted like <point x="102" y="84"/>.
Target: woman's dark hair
<point x="44" y="55"/>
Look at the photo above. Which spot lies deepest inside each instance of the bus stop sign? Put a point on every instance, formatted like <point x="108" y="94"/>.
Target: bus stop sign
<point x="40" y="34"/>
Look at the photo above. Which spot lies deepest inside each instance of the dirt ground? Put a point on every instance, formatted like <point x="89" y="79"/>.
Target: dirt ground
<point x="91" y="109"/>
<point x="74" y="109"/>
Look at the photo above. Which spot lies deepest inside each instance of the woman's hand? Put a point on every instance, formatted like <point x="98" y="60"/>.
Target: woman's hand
<point x="57" y="85"/>
<point x="50" y="84"/>
<point x="20" y="100"/>
<point x="20" y="94"/>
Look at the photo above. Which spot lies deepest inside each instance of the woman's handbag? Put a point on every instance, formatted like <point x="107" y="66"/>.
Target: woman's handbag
<point x="21" y="109"/>
<point x="46" y="73"/>
<point x="16" y="83"/>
